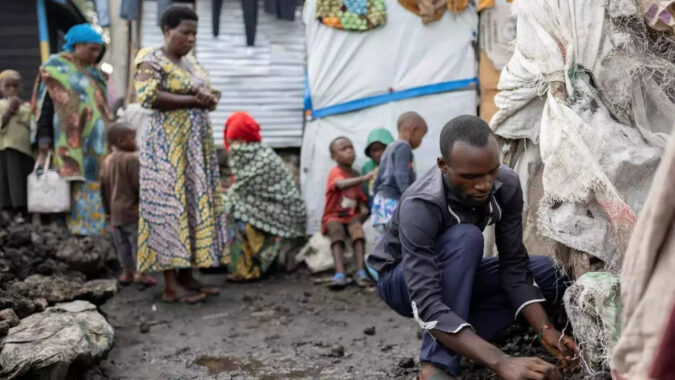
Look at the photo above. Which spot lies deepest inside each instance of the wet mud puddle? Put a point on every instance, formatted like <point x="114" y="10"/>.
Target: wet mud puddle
<point x="250" y="367"/>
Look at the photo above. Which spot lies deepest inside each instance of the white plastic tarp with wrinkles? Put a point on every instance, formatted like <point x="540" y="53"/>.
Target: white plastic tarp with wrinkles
<point x="316" y="161"/>
<point x="403" y="54"/>
<point x="598" y="147"/>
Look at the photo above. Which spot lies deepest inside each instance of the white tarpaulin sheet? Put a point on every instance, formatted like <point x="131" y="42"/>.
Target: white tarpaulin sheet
<point x="404" y="54"/>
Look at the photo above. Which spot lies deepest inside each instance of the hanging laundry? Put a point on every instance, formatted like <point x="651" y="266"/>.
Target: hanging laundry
<point x="357" y="15"/>
<point x="283" y="9"/>
<point x="250" y="8"/>
<point x="216" y="7"/>
<point x="129" y="9"/>
<point x="103" y="12"/>
<point x="433" y="10"/>
<point x="161" y="6"/>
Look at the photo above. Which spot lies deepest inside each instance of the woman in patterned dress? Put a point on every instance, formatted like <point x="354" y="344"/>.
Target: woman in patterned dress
<point x="182" y="223"/>
<point x="264" y="204"/>
<point x="71" y="114"/>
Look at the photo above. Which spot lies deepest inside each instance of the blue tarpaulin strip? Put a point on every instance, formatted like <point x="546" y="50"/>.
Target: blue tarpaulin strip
<point x="371" y="101"/>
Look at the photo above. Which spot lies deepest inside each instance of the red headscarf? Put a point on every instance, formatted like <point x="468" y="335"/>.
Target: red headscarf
<point x="241" y="126"/>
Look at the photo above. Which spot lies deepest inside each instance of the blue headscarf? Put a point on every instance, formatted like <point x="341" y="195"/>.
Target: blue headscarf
<point x="80" y="34"/>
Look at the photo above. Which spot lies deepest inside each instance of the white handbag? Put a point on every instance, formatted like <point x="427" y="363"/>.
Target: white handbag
<point x="48" y="193"/>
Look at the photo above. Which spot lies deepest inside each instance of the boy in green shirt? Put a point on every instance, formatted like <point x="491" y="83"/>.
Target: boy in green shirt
<point x="378" y="139"/>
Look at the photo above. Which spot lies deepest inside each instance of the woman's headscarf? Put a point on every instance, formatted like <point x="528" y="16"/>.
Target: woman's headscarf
<point x="81" y="34"/>
<point x="240" y="126"/>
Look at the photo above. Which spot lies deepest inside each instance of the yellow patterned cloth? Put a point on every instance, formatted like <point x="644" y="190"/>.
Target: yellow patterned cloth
<point x="182" y="222"/>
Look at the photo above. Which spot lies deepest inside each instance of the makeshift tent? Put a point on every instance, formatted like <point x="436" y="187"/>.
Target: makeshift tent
<point x="361" y="81"/>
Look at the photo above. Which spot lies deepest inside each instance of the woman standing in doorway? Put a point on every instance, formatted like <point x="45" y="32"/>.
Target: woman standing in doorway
<point x="182" y="223"/>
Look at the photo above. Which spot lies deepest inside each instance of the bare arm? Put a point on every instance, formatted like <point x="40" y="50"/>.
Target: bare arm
<point x="354" y="181"/>
<point x="166" y="101"/>
<point x="470" y="345"/>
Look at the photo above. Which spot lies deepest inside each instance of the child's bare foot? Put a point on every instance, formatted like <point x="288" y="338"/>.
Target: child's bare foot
<point x="144" y="279"/>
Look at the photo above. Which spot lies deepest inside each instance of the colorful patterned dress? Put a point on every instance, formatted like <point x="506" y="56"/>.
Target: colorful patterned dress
<point x="265" y="208"/>
<point x="182" y="221"/>
<point x="81" y="114"/>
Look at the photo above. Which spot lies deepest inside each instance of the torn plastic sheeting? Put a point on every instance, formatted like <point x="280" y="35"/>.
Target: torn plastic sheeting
<point x="587" y="59"/>
<point x="593" y="305"/>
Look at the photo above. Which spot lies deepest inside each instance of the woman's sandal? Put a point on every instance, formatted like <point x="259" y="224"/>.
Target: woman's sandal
<point x="145" y="280"/>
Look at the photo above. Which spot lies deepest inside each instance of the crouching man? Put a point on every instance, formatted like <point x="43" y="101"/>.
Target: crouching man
<point x="431" y="267"/>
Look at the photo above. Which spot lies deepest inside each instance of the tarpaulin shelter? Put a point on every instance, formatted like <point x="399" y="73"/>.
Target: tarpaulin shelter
<point x="358" y="81"/>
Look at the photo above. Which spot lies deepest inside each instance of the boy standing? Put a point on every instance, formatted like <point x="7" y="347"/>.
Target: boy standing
<point x="344" y="211"/>
<point x="378" y="139"/>
<point x="16" y="161"/>
<point x="120" y="194"/>
<point x="396" y="170"/>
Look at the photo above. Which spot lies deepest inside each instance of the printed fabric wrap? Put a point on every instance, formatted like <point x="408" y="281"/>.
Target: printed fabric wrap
<point x="355" y="15"/>
<point x="182" y="223"/>
<point x="382" y="210"/>
<point x="264" y="193"/>
<point x="87" y="216"/>
<point x="251" y="252"/>
<point x="81" y="113"/>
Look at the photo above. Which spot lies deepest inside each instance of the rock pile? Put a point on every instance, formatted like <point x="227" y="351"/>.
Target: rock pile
<point x="44" y="265"/>
<point x="57" y="343"/>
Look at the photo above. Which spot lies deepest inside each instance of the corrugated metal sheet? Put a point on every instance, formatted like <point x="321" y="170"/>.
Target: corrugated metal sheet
<point x="265" y="80"/>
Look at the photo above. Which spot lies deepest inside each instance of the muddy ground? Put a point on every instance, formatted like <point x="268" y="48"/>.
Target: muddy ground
<point x="283" y="328"/>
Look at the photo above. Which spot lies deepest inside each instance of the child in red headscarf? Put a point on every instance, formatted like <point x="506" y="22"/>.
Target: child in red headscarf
<point x="264" y="205"/>
<point x="241" y="127"/>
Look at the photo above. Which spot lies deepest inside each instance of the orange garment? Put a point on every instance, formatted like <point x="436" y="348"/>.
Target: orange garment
<point x="433" y="10"/>
<point x="482" y="4"/>
<point x="342" y="205"/>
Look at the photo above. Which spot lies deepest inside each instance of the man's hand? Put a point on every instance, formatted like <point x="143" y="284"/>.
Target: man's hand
<point x="562" y="347"/>
<point x="511" y="368"/>
<point x="13" y="105"/>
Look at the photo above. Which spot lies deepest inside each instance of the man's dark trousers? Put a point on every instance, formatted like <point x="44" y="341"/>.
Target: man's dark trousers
<point x="471" y="288"/>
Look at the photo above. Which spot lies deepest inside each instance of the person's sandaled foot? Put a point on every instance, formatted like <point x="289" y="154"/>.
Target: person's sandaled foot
<point x="144" y="279"/>
<point x="338" y="282"/>
<point x="185" y="297"/>
<point x="362" y="279"/>
<point x="125" y="279"/>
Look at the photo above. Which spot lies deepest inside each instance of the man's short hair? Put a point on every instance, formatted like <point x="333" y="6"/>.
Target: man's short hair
<point x="173" y="15"/>
<point x="335" y="140"/>
<point x="469" y="129"/>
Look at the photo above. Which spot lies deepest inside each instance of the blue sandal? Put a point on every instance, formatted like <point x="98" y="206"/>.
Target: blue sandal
<point x="338" y="282"/>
